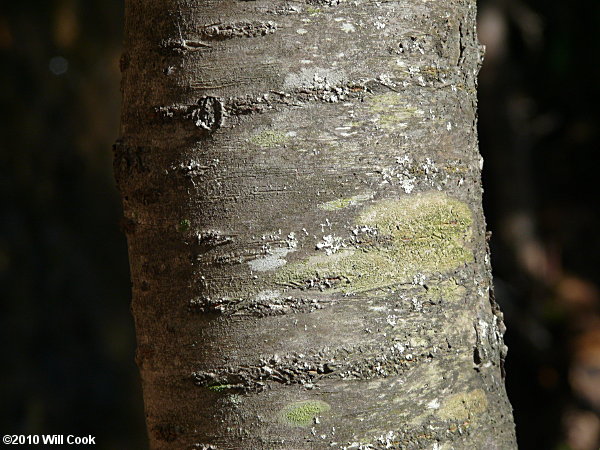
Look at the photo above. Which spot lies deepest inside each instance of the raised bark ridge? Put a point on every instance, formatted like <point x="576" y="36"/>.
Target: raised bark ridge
<point x="301" y="187"/>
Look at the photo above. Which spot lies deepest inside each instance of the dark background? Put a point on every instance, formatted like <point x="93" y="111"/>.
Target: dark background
<point x="66" y="334"/>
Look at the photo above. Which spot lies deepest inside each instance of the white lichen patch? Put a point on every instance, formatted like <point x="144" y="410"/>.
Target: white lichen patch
<point x="291" y="240"/>
<point x="379" y="24"/>
<point x="398" y="347"/>
<point x="407" y="184"/>
<point x="386" y="80"/>
<point x="417" y="304"/>
<point x="315" y="78"/>
<point x="364" y="229"/>
<point x="482" y="329"/>
<point x="331" y="244"/>
<point x="387" y="440"/>
<point x="392" y="320"/>
<point x="409" y="173"/>
<point x="433" y="404"/>
<point x="267" y="295"/>
<point x="348" y="27"/>
<point x="273" y="260"/>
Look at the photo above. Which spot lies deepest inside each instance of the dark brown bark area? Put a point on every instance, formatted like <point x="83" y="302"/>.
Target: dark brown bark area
<point x="301" y="186"/>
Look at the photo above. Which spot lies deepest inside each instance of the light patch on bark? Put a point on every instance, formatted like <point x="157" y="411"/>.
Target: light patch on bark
<point x="392" y="111"/>
<point x="272" y="261"/>
<point x="269" y="138"/>
<point x="425" y="233"/>
<point x="464" y="405"/>
<point x="342" y="203"/>
<point x="314" y="78"/>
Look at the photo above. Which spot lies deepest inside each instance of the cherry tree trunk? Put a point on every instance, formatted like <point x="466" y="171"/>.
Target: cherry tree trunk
<point x="302" y="200"/>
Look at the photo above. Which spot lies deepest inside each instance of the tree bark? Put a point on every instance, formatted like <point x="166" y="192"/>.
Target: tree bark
<point x="302" y="199"/>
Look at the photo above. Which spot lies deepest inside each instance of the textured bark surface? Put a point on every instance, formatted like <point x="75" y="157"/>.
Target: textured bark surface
<point x="302" y="198"/>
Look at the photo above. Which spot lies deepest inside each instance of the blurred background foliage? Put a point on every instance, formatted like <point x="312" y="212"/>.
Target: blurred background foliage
<point x="67" y="338"/>
<point x="66" y="333"/>
<point x="538" y="126"/>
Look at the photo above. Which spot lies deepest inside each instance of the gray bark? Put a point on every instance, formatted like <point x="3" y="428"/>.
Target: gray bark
<point x="302" y="198"/>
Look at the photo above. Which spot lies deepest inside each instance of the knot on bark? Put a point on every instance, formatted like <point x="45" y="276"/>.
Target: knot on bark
<point x="209" y="114"/>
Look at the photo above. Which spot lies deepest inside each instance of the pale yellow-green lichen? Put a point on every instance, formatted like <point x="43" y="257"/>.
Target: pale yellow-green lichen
<point x="302" y="414"/>
<point x="464" y="405"/>
<point x="342" y="203"/>
<point x="269" y="138"/>
<point x="418" y="234"/>
<point x="432" y="73"/>
<point x="446" y="290"/>
<point x="392" y="110"/>
<point x="456" y="168"/>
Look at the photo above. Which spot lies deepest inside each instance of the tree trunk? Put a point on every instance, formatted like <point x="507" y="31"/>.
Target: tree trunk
<point x="302" y="198"/>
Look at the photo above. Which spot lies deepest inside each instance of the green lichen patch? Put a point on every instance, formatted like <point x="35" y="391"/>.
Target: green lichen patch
<point x="423" y="233"/>
<point x="269" y="138"/>
<point x="393" y="110"/>
<point x="184" y="225"/>
<point x="464" y="405"/>
<point x="342" y="203"/>
<point x="302" y="414"/>
<point x="447" y="290"/>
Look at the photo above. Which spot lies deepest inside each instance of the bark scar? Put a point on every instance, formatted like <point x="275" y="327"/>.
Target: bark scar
<point x="209" y="114"/>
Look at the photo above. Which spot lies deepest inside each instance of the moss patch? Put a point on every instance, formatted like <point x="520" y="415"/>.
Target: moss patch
<point x="302" y="414"/>
<point x="424" y="233"/>
<point x="464" y="406"/>
<point x="269" y="138"/>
